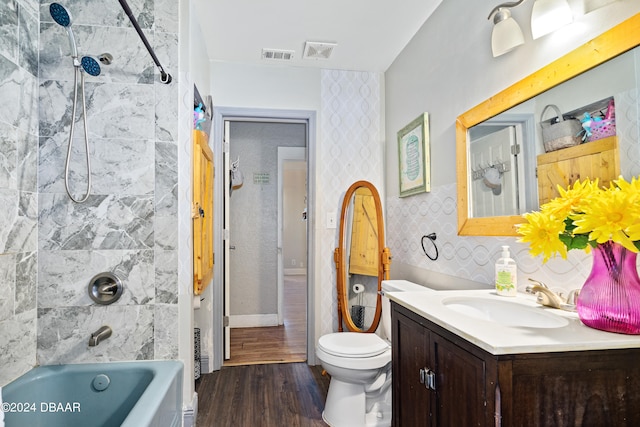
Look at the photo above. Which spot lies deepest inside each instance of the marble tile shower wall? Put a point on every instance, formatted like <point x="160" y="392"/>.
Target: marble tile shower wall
<point x="18" y="192"/>
<point x="128" y="224"/>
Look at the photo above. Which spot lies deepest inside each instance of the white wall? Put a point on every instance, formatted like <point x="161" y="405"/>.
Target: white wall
<point x="269" y="86"/>
<point x="445" y="70"/>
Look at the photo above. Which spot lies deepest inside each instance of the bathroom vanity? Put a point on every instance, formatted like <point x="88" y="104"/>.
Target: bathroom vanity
<point x="472" y="358"/>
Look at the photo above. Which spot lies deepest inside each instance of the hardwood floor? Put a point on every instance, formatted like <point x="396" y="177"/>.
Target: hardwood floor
<point x="255" y="387"/>
<point x="277" y="344"/>
<point x="270" y="395"/>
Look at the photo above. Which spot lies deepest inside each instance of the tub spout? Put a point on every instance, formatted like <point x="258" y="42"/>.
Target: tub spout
<point x="100" y="335"/>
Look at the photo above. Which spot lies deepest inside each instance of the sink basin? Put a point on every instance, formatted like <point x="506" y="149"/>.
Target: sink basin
<point x="508" y="313"/>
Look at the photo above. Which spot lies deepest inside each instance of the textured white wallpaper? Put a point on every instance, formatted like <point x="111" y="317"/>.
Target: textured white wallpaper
<point x="350" y="149"/>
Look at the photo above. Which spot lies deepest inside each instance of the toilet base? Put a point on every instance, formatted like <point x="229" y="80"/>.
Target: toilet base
<point x="346" y="404"/>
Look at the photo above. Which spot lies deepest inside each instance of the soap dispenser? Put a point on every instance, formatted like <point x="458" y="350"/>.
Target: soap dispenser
<point x="506" y="274"/>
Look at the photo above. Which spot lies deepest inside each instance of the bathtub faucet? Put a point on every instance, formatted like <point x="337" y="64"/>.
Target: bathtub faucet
<point x="100" y="335"/>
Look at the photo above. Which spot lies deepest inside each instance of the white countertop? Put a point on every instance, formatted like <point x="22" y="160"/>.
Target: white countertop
<point x="498" y="338"/>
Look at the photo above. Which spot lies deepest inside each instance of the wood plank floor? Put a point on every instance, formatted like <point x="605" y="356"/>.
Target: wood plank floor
<point x="277" y="344"/>
<point x="269" y="395"/>
<point x="255" y="387"/>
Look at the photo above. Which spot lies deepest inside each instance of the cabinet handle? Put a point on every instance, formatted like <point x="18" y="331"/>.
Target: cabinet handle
<point x="428" y="378"/>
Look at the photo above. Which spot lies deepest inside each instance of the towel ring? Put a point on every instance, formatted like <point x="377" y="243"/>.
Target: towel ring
<point x="432" y="238"/>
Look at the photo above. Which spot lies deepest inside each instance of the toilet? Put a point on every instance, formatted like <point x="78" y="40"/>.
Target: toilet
<point x="360" y="368"/>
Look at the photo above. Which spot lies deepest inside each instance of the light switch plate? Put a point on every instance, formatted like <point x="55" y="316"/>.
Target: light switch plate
<point x="331" y="220"/>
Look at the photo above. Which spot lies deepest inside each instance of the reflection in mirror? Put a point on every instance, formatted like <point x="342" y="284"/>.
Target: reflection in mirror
<point x="362" y="261"/>
<point x="498" y="142"/>
<point x="494" y="170"/>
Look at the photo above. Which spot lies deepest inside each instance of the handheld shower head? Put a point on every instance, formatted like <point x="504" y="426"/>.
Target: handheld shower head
<point x="62" y="17"/>
<point x="90" y="66"/>
<point x="60" y="14"/>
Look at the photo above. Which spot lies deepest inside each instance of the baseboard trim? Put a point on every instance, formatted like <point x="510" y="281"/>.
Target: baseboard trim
<point x="294" y="271"/>
<point x="205" y="367"/>
<point x="253" y="320"/>
<point x="190" y="413"/>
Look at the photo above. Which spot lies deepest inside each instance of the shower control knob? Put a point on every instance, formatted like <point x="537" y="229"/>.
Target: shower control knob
<point x="105" y="288"/>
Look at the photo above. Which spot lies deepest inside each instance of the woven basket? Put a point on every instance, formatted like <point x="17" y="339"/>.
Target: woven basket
<point x="559" y="132"/>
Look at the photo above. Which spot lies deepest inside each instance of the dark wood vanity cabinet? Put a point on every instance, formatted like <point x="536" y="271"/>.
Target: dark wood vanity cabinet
<point x="440" y="379"/>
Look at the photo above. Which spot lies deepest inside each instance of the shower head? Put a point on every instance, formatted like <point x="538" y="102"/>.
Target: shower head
<point x="60" y="14"/>
<point x="90" y="65"/>
<point x="62" y="17"/>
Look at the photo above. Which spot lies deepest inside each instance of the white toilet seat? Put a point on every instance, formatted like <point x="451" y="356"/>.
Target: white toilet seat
<point x="334" y="350"/>
<point x="352" y="344"/>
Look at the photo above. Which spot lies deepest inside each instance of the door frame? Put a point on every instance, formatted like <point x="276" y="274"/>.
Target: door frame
<point x="220" y="115"/>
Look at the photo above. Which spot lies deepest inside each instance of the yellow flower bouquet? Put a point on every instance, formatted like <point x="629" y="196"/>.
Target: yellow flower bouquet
<point x="607" y="220"/>
<point x="583" y="216"/>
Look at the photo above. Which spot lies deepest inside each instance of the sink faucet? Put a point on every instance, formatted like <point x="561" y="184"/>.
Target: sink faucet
<point x="546" y="296"/>
<point x="100" y="335"/>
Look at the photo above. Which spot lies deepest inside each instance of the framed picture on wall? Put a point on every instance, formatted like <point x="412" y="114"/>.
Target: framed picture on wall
<point x="413" y="157"/>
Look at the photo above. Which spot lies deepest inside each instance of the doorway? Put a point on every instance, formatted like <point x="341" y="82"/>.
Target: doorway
<point x="259" y="235"/>
<point x="252" y="255"/>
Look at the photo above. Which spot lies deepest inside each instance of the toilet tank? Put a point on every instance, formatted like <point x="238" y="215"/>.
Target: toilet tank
<point x="395" y="286"/>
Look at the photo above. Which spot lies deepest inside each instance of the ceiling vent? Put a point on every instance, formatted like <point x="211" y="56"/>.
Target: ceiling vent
<point x="277" y="54"/>
<point x="318" y="50"/>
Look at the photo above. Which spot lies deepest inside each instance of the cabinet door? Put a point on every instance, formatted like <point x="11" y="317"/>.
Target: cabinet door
<point x="460" y="385"/>
<point x="410" y="353"/>
<point x="202" y="212"/>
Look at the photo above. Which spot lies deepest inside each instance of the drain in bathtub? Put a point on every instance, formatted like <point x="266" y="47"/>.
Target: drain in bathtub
<point x="101" y="382"/>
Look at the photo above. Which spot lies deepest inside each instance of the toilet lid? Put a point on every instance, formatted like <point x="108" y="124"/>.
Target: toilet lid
<point x="353" y="344"/>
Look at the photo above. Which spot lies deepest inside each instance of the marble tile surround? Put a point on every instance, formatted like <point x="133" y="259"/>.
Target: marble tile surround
<point x="19" y="215"/>
<point x="51" y="246"/>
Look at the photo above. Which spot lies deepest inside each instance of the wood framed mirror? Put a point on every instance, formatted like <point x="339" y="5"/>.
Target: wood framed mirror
<point x="599" y="50"/>
<point x="362" y="260"/>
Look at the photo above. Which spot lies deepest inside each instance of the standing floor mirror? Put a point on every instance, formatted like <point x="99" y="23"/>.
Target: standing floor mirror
<point x="362" y="260"/>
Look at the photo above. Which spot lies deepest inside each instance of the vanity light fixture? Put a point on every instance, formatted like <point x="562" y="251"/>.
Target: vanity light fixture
<point x="506" y="34"/>
<point x="548" y="16"/>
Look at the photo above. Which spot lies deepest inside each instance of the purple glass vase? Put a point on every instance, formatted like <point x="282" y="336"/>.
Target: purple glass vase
<point x="610" y="297"/>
